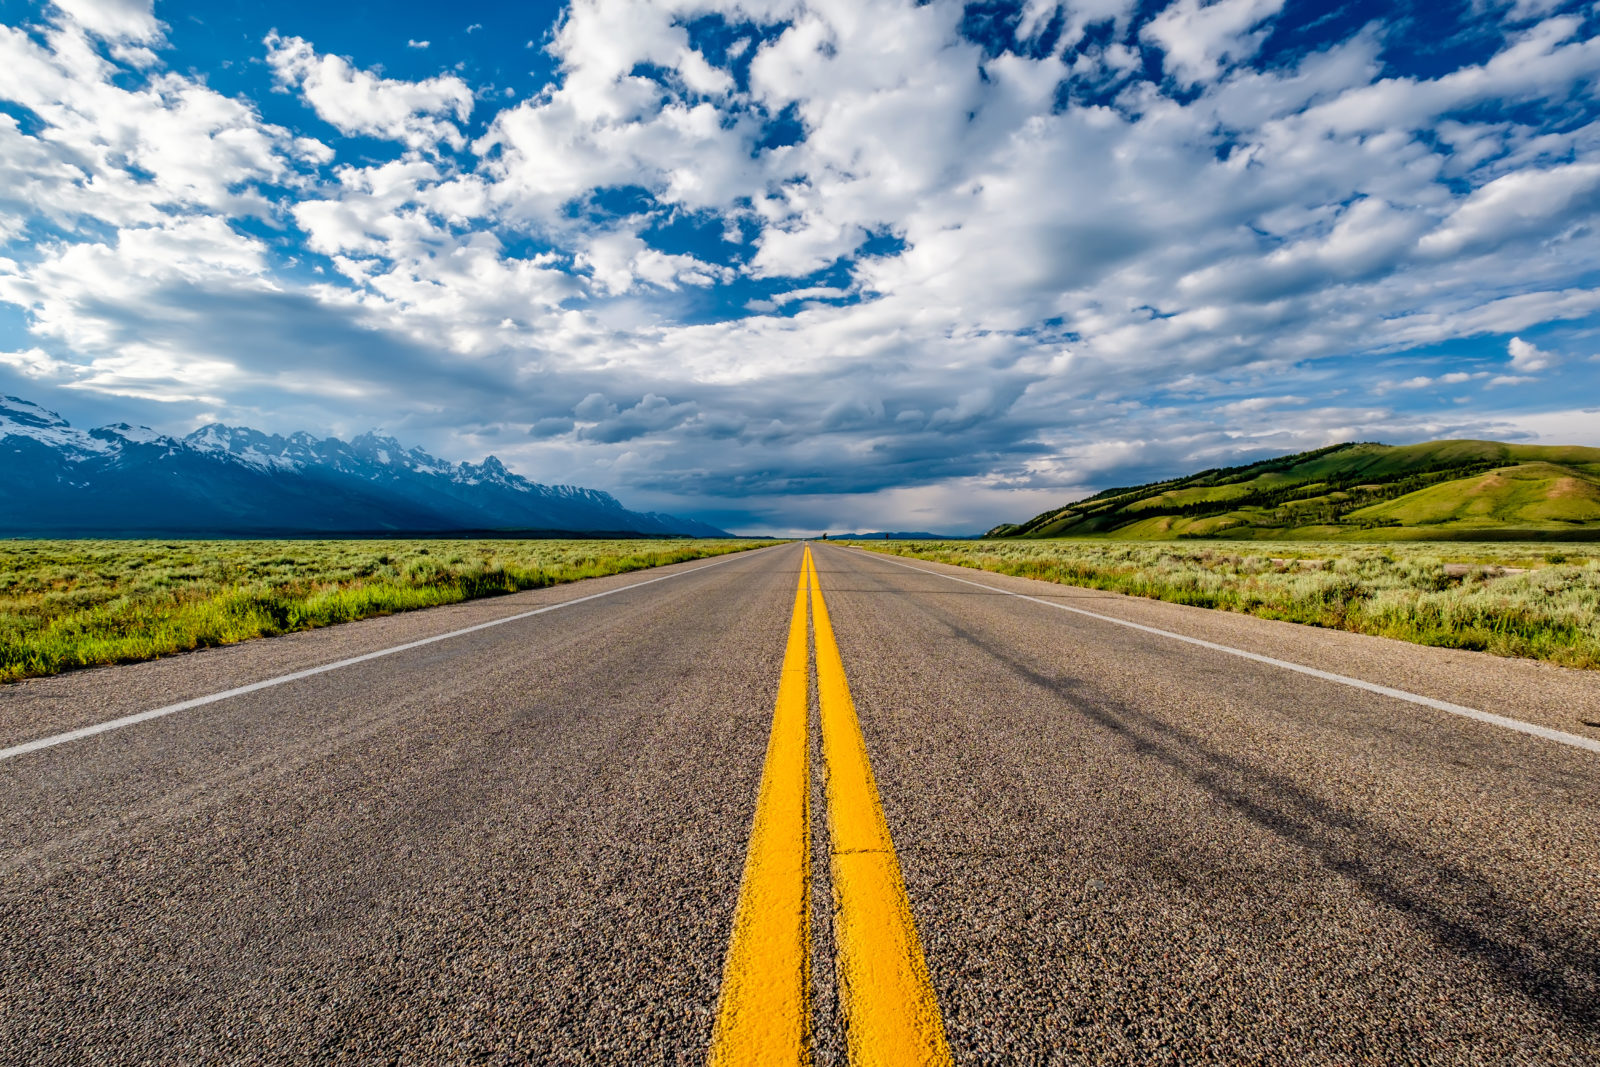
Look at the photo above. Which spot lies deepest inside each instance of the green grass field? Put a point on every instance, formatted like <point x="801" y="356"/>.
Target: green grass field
<point x="68" y="604"/>
<point x="1455" y="595"/>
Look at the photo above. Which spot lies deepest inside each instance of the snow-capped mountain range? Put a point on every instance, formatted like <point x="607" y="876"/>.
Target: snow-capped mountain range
<point x="123" y="480"/>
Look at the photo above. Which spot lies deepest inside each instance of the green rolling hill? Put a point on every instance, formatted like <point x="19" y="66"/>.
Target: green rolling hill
<point x="1440" y="490"/>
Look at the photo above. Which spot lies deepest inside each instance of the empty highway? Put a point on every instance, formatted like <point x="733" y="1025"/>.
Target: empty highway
<point x="760" y="809"/>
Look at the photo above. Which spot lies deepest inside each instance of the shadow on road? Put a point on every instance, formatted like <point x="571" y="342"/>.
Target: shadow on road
<point x="1553" y="965"/>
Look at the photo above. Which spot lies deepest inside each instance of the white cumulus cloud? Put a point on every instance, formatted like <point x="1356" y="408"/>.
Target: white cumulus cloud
<point x="1199" y="38"/>
<point x="417" y="114"/>
<point x="129" y="21"/>
<point x="1526" y="359"/>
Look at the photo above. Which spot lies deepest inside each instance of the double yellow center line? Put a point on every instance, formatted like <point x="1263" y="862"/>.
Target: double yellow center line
<point x="889" y="1010"/>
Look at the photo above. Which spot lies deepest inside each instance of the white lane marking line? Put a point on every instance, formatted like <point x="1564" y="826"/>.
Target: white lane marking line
<point x="1588" y="744"/>
<point x="185" y="705"/>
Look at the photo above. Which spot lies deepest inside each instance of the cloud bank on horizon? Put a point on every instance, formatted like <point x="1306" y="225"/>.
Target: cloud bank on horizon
<point x="789" y="264"/>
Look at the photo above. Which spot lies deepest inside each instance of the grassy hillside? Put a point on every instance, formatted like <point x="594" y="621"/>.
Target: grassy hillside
<point x="1444" y="490"/>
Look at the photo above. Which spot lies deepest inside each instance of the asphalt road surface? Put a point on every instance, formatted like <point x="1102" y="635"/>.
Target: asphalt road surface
<point x="528" y="842"/>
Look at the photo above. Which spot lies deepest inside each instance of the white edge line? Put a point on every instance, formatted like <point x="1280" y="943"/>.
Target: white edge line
<point x="185" y="705"/>
<point x="1588" y="744"/>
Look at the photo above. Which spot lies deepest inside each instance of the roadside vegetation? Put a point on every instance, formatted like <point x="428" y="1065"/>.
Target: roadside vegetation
<point x="1540" y="601"/>
<point x="68" y="604"/>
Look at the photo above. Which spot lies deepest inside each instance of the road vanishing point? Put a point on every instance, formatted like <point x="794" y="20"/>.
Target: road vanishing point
<point x="804" y="804"/>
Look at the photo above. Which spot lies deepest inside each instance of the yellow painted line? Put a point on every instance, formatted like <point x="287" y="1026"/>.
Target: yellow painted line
<point x="764" y="1014"/>
<point x="891" y="1015"/>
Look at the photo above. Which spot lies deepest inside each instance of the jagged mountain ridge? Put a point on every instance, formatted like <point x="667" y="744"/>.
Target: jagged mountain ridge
<point x="125" y="480"/>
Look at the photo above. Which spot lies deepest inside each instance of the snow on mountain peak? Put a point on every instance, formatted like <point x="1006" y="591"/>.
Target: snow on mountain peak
<point x="26" y="413"/>
<point x="138" y="435"/>
<point x="211" y="438"/>
<point x="23" y="418"/>
<point x="243" y="445"/>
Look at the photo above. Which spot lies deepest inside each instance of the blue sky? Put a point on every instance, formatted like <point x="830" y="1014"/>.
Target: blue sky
<point x="789" y="265"/>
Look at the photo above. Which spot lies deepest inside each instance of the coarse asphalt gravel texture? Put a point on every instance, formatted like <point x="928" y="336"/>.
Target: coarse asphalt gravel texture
<point x="525" y="844"/>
